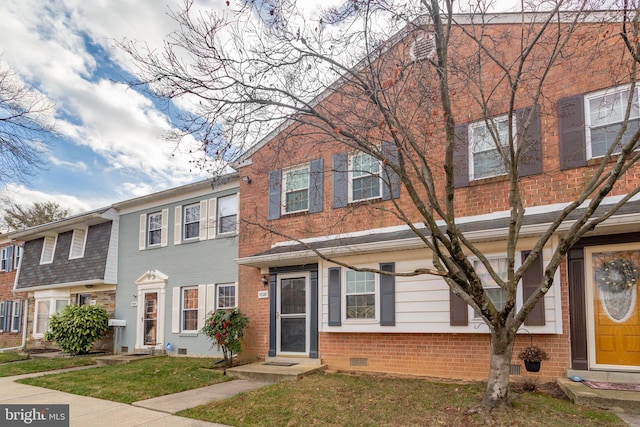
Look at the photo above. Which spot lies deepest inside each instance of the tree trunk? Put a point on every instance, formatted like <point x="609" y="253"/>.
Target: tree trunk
<point x="498" y="393"/>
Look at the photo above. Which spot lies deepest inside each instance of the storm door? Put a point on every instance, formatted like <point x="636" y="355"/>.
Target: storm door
<point x="293" y="315"/>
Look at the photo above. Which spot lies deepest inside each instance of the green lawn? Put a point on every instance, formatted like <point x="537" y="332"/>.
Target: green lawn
<point x="364" y="400"/>
<point x="12" y="356"/>
<point x="136" y="380"/>
<point x="42" y="365"/>
<point x="322" y="399"/>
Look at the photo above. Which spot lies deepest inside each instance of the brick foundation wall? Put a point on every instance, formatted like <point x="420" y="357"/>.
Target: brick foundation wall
<point x="459" y="356"/>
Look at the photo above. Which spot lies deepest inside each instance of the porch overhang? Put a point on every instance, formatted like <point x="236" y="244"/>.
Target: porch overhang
<point x="482" y="228"/>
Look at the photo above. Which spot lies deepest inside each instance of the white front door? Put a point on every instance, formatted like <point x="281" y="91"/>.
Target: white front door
<point x="293" y="314"/>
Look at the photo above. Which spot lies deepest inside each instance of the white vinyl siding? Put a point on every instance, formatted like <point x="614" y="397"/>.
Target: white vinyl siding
<point x="422" y="302"/>
<point x="48" y="249"/>
<point x="78" y="242"/>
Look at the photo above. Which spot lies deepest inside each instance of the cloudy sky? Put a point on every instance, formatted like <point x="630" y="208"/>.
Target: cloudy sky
<point x="110" y="145"/>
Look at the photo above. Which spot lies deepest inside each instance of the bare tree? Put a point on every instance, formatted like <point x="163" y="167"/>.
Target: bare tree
<point x="25" y="126"/>
<point x="353" y="79"/>
<point x="18" y="217"/>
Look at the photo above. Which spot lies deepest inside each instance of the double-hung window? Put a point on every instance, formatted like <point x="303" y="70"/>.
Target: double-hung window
<point x="4" y="259"/>
<point x="295" y="182"/>
<point x="226" y="296"/>
<point x="192" y="221"/>
<point x="190" y="309"/>
<point x="605" y="114"/>
<point x="17" y="255"/>
<point x="16" y="313"/>
<point x="360" y="295"/>
<point x="495" y="293"/>
<point x="227" y="214"/>
<point x="364" y="177"/>
<point x="154" y="228"/>
<point x="485" y="159"/>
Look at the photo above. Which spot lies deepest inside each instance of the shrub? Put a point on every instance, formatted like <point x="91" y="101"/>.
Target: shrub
<point x="76" y="328"/>
<point x="226" y="328"/>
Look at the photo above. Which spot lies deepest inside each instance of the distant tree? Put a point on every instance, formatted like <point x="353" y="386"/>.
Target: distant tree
<point x="17" y="217"/>
<point x="25" y="125"/>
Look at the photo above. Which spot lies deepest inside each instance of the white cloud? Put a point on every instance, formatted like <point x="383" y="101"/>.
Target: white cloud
<point x="25" y="196"/>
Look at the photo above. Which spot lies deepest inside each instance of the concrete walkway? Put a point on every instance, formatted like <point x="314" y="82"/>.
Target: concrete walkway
<point x="157" y="412"/>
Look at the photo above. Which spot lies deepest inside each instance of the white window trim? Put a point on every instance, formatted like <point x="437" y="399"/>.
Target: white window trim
<point x="217" y="302"/>
<point x="183" y="309"/>
<point x="472" y="313"/>
<point x="218" y="217"/>
<point x="376" y="319"/>
<point x="483" y="123"/>
<point x="148" y="231"/>
<point x="184" y="222"/>
<point x="351" y="178"/>
<point x="3" y="259"/>
<point x="53" y="243"/>
<point x="17" y="256"/>
<point x="284" y="188"/>
<point x="587" y="112"/>
<point x="14" y="307"/>
<point x="52" y="299"/>
<point x="143" y="240"/>
<point x="74" y="237"/>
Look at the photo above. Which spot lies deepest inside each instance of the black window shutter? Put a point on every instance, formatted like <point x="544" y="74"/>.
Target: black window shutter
<point x="458" y="312"/>
<point x="461" y="156"/>
<point x="390" y="179"/>
<point x="20" y="308"/>
<point x="335" y="297"/>
<point x="275" y="181"/>
<point x="316" y="180"/>
<point x="340" y="192"/>
<point x="572" y="132"/>
<point x="530" y="281"/>
<point x="530" y="162"/>
<point x="387" y="296"/>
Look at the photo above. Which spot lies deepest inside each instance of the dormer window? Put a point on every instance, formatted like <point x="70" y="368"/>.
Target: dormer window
<point x="48" y="249"/>
<point x="78" y="242"/>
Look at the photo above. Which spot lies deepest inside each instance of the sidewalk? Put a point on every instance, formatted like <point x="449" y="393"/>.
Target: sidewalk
<point x="157" y="412"/>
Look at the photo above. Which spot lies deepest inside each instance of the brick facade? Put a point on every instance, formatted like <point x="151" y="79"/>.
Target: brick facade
<point x="9" y="339"/>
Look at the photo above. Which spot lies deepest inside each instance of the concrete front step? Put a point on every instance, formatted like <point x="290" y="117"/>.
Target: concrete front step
<point x="274" y="371"/>
<point x="625" y="401"/>
<point x="606" y="376"/>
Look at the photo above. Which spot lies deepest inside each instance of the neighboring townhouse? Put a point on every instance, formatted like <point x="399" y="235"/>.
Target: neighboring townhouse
<point x="302" y="306"/>
<point x="11" y="305"/>
<point x="69" y="261"/>
<point x="177" y="252"/>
